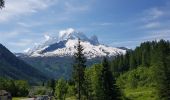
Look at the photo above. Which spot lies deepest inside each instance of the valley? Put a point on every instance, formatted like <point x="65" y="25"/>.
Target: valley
<point x="84" y="50"/>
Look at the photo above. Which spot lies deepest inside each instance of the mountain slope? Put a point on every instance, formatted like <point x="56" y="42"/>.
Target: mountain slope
<point x="66" y="46"/>
<point x="54" y="57"/>
<point x="12" y="67"/>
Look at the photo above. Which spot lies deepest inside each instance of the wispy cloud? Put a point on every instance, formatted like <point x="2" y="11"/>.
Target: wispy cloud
<point x="29" y="24"/>
<point x="152" y="14"/>
<point x="152" y="25"/>
<point x="103" y="24"/>
<point x="157" y="35"/>
<point x="24" y="24"/>
<point x="74" y="8"/>
<point x="16" y="8"/>
<point x="21" y="43"/>
<point x="155" y="23"/>
<point x="9" y="34"/>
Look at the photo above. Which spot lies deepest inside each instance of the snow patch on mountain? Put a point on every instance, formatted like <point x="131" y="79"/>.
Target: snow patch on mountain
<point x="65" y="34"/>
<point x="65" y="45"/>
<point x="47" y="37"/>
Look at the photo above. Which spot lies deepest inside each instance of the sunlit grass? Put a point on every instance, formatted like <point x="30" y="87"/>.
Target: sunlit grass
<point x="18" y="98"/>
<point x="140" y="94"/>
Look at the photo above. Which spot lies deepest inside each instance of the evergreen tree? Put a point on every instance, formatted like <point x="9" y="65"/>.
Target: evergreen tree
<point x="88" y="84"/>
<point x="51" y="84"/>
<point x="108" y="83"/>
<point x="78" y="71"/>
<point x="132" y="62"/>
<point x="160" y="62"/>
<point x="2" y="3"/>
<point x="61" y="89"/>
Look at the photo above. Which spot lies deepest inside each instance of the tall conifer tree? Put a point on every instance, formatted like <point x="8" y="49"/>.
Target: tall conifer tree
<point x="160" y="61"/>
<point x="110" y="90"/>
<point x="78" y="71"/>
<point x="1" y="3"/>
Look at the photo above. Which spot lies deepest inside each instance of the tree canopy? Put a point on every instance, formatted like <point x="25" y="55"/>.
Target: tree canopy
<point x="78" y="71"/>
<point x="2" y="2"/>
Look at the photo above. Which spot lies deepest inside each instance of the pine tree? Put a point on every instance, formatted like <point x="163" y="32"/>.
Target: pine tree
<point x="132" y="62"/>
<point x="160" y="62"/>
<point x="51" y="84"/>
<point x="1" y="3"/>
<point x="61" y="89"/>
<point x="111" y="91"/>
<point x="78" y="71"/>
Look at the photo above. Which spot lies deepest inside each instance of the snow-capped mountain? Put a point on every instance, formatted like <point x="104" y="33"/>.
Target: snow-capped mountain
<point x="65" y="45"/>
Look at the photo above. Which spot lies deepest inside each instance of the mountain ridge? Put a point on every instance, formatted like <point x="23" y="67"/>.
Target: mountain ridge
<point x="15" y="68"/>
<point x="54" y="57"/>
<point x="66" y="46"/>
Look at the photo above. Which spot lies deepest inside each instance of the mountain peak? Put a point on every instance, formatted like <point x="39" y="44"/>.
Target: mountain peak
<point x="63" y="34"/>
<point x="66" y="42"/>
<point x="71" y="33"/>
<point x="94" y="40"/>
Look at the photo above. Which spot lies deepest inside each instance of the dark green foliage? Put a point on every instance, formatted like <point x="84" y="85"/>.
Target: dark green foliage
<point x="2" y="2"/>
<point x="93" y="82"/>
<point x="22" y="87"/>
<point x="56" y="67"/>
<point x="120" y="64"/>
<point x="133" y="62"/>
<point x="78" y="70"/>
<point x="70" y="90"/>
<point x="108" y="83"/>
<point x="88" y="84"/>
<point x="142" y="55"/>
<point x="40" y="90"/>
<point x="156" y="56"/>
<point x="136" y="78"/>
<point x="61" y="89"/>
<point x="15" y="87"/>
<point x="52" y="84"/>
<point x="160" y="63"/>
<point x="100" y="84"/>
<point x="14" y="68"/>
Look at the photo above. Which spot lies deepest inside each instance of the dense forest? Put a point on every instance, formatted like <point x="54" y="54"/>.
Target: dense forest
<point x="145" y="68"/>
<point x="140" y="74"/>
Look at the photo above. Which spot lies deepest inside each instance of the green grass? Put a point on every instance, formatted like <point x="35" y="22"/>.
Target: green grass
<point x="18" y="98"/>
<point x="140" y="94"/>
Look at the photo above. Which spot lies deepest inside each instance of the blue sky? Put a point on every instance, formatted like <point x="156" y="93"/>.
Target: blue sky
<point x="23" y="23"/>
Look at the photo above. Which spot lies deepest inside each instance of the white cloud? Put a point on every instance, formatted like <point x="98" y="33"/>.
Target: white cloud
<point x="15" y="8"/>
<point x="106" y="24"/>
<point x="152" y="36"/>
<point x="65" y="33"/>
<point x="47" y="37"/>
<point x="22" y="43"/>
<point x="23" y="24"/>
<point x="156" y="13"/>
<point x="152" y="25"/>
<point x="26" y="50"/>
<point x="70" y="8"/>
<point x="13" y="33"/>
<point x="153" y="14"/>
<point x="103" y="24"/>
<point x="9" y="34"/>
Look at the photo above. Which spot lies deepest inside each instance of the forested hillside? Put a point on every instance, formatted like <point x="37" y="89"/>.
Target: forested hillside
<point x="140" y="74"/>
<point x="14" y="68"/>
<point x="145" y="71"/>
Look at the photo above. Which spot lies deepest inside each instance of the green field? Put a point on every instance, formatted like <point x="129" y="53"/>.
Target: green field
<point x="140" y="94"/>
